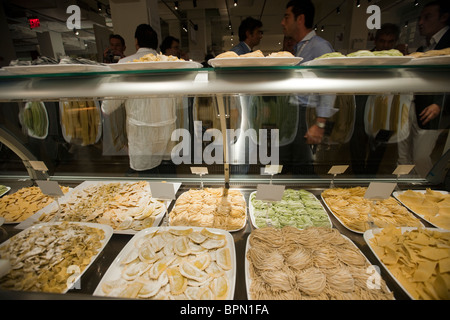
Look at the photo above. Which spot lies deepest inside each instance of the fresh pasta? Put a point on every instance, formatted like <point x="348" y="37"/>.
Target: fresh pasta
<point x="315" y="263"/>
<point x="210" y="207"/>
<point x="352" y="209"/>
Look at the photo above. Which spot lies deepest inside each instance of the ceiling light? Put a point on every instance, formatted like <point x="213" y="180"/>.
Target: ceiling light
<point x="175" y="5"/>
<point x="76" y="32"/>
<point x="358" y="3"/>
<point x="322" y="29"/>
<point x="416" y="3"/>
<point x="235" y="3"/>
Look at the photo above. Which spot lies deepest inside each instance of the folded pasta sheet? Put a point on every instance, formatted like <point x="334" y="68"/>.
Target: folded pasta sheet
<point x="419" y="259"/>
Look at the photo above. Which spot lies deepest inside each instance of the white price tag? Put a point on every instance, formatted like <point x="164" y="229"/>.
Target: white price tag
<point x="162" y="190"/>
<point x="50" y="188"/>
<point x="269" y="192"/>
<point x="199" y="170"/>
<point x="273" y="169"/>
<point x="379" y="190"/>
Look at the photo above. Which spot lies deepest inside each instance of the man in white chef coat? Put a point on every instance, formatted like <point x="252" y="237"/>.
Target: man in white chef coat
<point x="149" y="121"/>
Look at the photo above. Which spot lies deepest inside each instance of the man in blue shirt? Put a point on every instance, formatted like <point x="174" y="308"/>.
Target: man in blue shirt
<point x="298" y="24"/>
<point x="250" y="36"/>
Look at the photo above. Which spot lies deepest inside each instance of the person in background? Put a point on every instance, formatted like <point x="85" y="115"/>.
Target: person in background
<point x="250" y="35"/>
<point x="116" y="49"/>
<point x="171" y="47"/>
<point x="149" y="121"/>
<point x="386" y="37"/>
<point x="297" y="23"/>
<point x="146" y="42"/>
<point x="434" y="24"/>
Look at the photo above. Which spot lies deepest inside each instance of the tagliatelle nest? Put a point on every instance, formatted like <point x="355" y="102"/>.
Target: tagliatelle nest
<point x="315" y="263"/>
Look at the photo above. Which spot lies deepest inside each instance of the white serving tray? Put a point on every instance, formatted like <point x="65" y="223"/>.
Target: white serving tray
<point x="359" y="61"/>
<point x="55" y="69"/>
<point x="248" y="280"/>
<point x="255" y="62"/>
<point x="108" y="233"/>
<point x="34" y="219"/>
<point x="342" y="223"/>
<point x="114" y="271"/>
<point x="396" y="194"/>
<point x="235" y="230"/>
<point x="5" y="192"/>
<point x="154" y="65"/>
<point x="251" y="210"/>
<point x="370" y="234"/>
<point x="429" y="61"/>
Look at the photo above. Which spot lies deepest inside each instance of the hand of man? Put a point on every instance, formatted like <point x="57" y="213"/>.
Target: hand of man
<point x="429" y="113"/>
<point x="314" y="135"/>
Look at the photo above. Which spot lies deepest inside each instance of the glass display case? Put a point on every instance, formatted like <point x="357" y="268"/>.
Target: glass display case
<point x="156" y="125"/>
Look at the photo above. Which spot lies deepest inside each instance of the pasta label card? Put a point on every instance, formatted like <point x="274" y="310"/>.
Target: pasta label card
<point x="38" y="165"/>
<point x="379" y="190"/>
<point x="403" y="169"/>
<point x="337" y="169"/>
<point x="269" y="192"/>
<point x="272" y="169"/>
<point x="199" y="170"/>
<point x="162" y="190"/>
<point x="50" y="188"/>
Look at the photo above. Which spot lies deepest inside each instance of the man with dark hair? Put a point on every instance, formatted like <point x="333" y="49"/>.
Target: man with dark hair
<point x="386" y="37"/>
<point x="434" y="25"/>
<point x="116" y="49"/>
<point x="427" y="117"/>
<point x="171" y="47"/>
<point x="146" y="41"/>
<point x="250" y="36"/>
<point x="298" y="23"/>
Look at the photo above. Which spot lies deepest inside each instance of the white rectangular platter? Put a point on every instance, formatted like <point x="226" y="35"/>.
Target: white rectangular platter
<point x="254" y="62"/>
<point x="396" y="194"/>
<point x="370" y="234"/>
<point x="248" y="280"/>
<point x="35" y="218"/>
<point x="160" y="286"/>
<point x="242" y="226"/>
<point x="76" y="275"/>
<point x="154" y="65"/>
<point x="359" y="61"/>
<point x="252" y="211"/>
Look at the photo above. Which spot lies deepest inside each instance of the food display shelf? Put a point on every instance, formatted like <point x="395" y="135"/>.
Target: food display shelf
<point x="93" y="275"/>
<point x="226" y="81"/>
